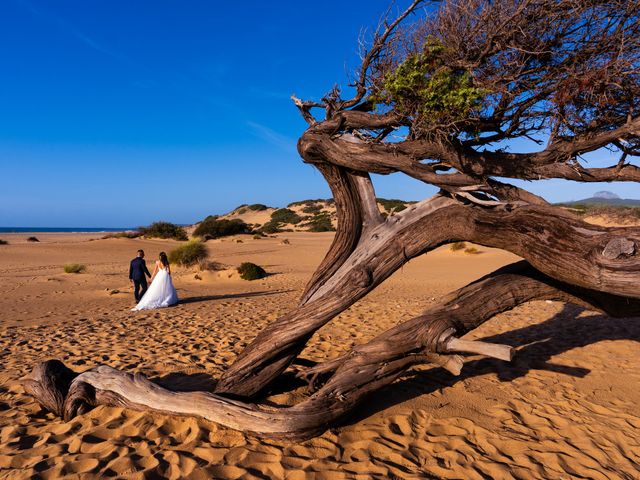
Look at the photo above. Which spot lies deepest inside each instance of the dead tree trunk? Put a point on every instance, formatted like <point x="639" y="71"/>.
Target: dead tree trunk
<point x="450" y="88"/>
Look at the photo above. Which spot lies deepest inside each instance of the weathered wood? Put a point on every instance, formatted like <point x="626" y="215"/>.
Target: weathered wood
<point x="557" y="244"/>
<point x="501" y="352"/>
<point x="353" y="377"/>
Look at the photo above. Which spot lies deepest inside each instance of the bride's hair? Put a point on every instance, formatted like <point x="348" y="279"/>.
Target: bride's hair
<point x="163" y="259"/>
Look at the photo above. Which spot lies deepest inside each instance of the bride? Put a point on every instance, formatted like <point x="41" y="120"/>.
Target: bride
<point x="161" y="292"/>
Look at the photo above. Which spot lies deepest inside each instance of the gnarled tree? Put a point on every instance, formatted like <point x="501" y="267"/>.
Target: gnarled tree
<point x="442" y="91"/>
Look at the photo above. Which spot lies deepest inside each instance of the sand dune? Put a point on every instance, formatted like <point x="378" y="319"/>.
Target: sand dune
<point x="566" y="407"/>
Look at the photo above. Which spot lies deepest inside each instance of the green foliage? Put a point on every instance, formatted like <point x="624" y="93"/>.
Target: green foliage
<point x="74" y="268"/>
<point x="312" y="208"/>
<point x="270" y="227"/>
<point x="330" y="201"/>
<point x="457" y="246"/>
<point x="392" y="204"/>
<point x="122" y="235"/>
<point x="472" y="251"/>
<point x="212" y="227"/>
<point x="163" y="230"/>
<point x="32" y="239"/>
<point x="320" y="223"/>
<point x="258" y="236"/>
<point x="284" y="215"/>
<point x="3" y="242"/>
<point x="423" y="85"/>
<point x="188" y="253"/>
<point x="257" y="207"/>
<point x="251" y="271"/>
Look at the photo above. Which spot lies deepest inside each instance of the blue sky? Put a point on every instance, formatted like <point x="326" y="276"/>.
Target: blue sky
<point x="118" y="113"/>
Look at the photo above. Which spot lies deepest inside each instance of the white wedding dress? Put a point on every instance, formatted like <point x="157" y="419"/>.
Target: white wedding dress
<point x="161" y="292"/>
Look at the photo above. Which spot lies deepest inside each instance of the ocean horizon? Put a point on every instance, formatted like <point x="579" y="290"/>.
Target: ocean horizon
<point x="63" y="229"/>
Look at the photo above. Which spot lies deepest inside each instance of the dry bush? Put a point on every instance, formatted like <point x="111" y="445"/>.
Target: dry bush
<point x="454" y="247"/>
<point x="74" y="268"/>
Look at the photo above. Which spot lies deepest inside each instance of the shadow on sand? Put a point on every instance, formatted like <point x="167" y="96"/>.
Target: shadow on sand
<point x="209" y="298"/>
<point x="537" y="343"/>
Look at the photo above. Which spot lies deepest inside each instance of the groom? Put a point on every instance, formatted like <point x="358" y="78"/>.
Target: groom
<point x="137" y="271"/>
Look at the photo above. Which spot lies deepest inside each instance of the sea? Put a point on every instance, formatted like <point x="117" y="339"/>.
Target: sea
<point x="62" y="229"/>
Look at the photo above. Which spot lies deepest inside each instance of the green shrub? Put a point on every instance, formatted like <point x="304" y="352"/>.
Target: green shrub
<point x="472" y="251"/>
<point x="320" y="223"/>
<point x="312" y="209"/>
<point x="271" y="227"/>
<point x="257" y="207"/>
<point x="188" y="253"/>
<point x="251" y="271"/>
<point x="74" y="268"/>
<point x="457" y="246"/>
<point x="163" y="230"/>
<point x="3" y="242"/>
<point x="258" y="236"/>
<point x="284" y="215"/>
<point x="310" y="202"/>
<point x="122" y="235"/>
<point x="212" y="227"/>
<point x="241" y="211"/>
<point x="32" y="239"/>
<point x="392" y="204"/>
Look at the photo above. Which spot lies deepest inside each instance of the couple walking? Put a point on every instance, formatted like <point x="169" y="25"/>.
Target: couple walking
<point x="161" y="293"/>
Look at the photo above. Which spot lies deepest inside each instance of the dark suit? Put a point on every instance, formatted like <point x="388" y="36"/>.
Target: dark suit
<point x="137" y="271"/>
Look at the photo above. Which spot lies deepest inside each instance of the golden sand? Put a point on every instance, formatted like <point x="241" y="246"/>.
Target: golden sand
<point x="568" y="406"/>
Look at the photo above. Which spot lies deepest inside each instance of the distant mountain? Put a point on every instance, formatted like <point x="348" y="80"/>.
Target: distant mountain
<point x="605" y="198"/>
<point x="606" y="195"/>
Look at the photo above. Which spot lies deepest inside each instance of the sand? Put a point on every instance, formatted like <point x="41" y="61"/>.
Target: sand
<point x="566" y="407"/>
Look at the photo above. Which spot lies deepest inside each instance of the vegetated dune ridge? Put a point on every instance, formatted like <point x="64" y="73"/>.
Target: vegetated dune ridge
<point x="568" y="406"/>
<point x="303" y="215"/>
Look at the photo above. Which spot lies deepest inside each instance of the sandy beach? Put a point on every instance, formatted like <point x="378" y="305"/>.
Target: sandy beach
<point x="568" y="406"/>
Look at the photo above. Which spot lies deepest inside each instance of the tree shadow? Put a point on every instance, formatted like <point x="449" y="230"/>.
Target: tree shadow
<point x="538" y="344"/>
<point x="208" y="298"/>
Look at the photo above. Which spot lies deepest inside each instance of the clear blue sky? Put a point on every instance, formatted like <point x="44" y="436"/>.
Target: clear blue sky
<point x="119" y="113"/>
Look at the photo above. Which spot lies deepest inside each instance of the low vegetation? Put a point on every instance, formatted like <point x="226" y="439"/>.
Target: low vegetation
<point x="129" y="234"/>
<point x="205" y="265"/>
<point x="329" y="201"/>
<point x="457" y="246"/>
<point x="188" y="254"/>
<point x="251" y="271"/>
<point x="615" y="213"/>
<point x="393" y="205"/>
<point x="472" y="251"/>
<point x="257" y="207"/>
<point x="3" y="242"/>
<point x="74" y="268"/>
<point x="214" y="227"/>
<point x="32" y="239"/>
<point x="320" y="223"/>
<point x="164" y="230"/>
<point x="312" y="209"/>
<point x="284" y="215"/>
<point x="271" y="227"/>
